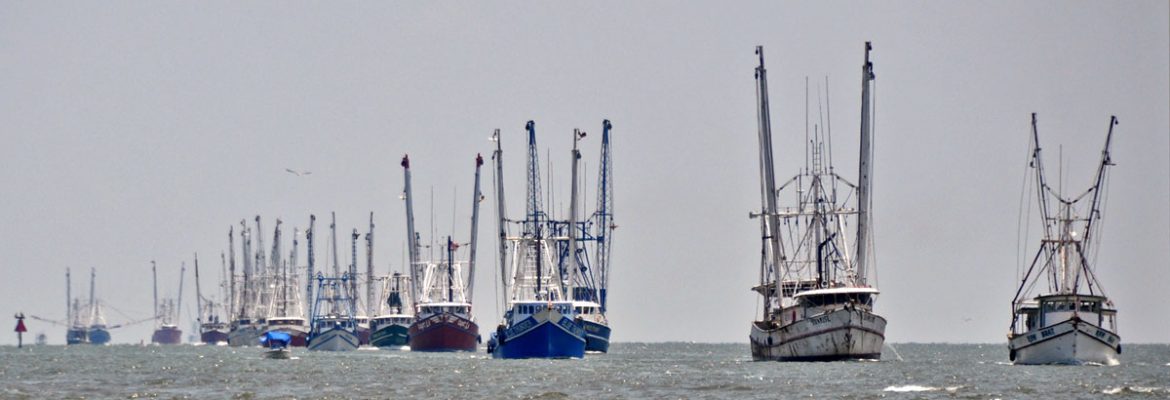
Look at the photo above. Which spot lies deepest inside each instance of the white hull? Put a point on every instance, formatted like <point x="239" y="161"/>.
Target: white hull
<point x="840" y="334"/>
<point x="334" y="340"/>
<point x="1069" y="342"/>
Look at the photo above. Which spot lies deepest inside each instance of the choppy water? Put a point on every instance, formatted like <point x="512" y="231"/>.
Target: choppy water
<point x="636" y="371"/>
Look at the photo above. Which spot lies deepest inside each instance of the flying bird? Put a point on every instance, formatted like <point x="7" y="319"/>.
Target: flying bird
<point x="298" y="173"/>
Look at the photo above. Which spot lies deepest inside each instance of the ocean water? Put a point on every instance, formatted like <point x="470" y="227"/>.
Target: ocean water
<point x="629" y="371"/>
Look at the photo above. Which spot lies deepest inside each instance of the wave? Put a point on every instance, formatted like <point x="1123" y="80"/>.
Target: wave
<point x="1136" y="389"/>
<point x="920" y="388"/>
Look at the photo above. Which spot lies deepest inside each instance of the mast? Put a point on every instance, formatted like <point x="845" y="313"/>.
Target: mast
<point x="450" y="270"/>
<point x="276" y="253"/>
<point x="245" y="256"/>
<point x="92" y="302"/>
<point x="231" y="277"/>
<point x="533" y="225"/>
<point x="1095" y="203"/>
<point x="370" y="268"/>
<point x="290" y="282"/>
<point x="333" y="236"/>
<point x="154" y="274"/>
<point x="574" y="266"/>
<point x="179" y="306"/>
<point x="353" y="264"/>
<point x="68" y="298"/>
<point x="312" y="258"/>
<point x="411" y="234"/>
<point x="604" y="213"/>
<point x="198" y="293"/>
<point x="261" y="262"/>
<point x="501" y="213"/>
<point x="476" y="197"/>
<point x="865" y="167"/>
<point x="771" y="256"/>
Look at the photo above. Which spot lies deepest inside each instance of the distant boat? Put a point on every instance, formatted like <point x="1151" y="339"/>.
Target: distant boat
<point x="42" y="339"/>
<point x="76" y="331"/>
<point x="1060" y="314"/>
<point x="817" y="301"/>
<point x="285" y="311"/>
<point x="540" y="319"/>
<point x="212" y="330"/>
<point x="98" y="332"/>
<point x="333" y="324"/>
<point x="442" y="292"/>
<point x="391" y="327"/>
<point x="166" y="314"/>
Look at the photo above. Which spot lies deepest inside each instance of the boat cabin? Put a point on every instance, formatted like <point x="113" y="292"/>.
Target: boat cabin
<point x="586" y="308"/>
<point x="460" y="309"/>
<point x="1053" y="309"/>
<point x="333" y="321"/>
<point x="393" y="319"/>
<point x="811" y="303"/>
<point x="523" y="309"/>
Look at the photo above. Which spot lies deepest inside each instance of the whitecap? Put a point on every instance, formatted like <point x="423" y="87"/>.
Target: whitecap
<point x="910" y="388"/>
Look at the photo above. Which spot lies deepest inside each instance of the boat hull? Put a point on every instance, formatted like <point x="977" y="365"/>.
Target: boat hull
<point x="76" y="336"/>
<point x="596" y="336"/>
<point x="167" y="335"/>
<point x="840" y="334"/>
<point x="363" y="333"/>
<point x="444" y="332"/>
<point x="391" y="335"/>
<point x="244" y="336"/>
<point x="99" y="336"/>
<point x="214" y="336"/>
<point x="1069" y="342"/>
<point x="334" y="339"/>
<point x="541" y="336"/>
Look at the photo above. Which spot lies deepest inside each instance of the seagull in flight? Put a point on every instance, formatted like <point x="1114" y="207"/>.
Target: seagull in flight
<point x="298" y="173"/>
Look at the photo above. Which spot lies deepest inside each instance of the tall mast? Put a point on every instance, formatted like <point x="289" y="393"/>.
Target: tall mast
<point x="865" y="167"/>
<point x="179" y="306"/>
<point x="333" y="236"/>
<point x="574" y="266"/>
<point x="604" y="213"/>
<point x="198" y="293"/>
<point x="68" y="298"/>
<point x="370" y="268"/>
<point x="154" y="274"/>
<point x="261" y="262"/>
<point x="276" y="253"/>
<point x="1095" y="210"/>
<point x="501" y="213"/>
<point x="771" y="256"/>
<point x="476" y="197"/>
<point x="290" y="282"/>
<point x="353" y="265"/>
<point x="92" y="302"/>
<point x="231" y="276"/>
<point x="246" y="257"/>
<point x="411" y="234"/>
<point x="533" y="225"/>
<point x="309" y="271"/>
<point x="450" y="270"/>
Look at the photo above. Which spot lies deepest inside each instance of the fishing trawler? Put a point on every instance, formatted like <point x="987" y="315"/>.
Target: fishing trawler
<point x="540" y="319"/>
<point x="1070" y="320"/>
<point x="166" y="314"/>
<point x="443" y="320"/>
<point x="817" y="301"/>
<point x="75" y="332"/>
<point x="391" y="327"/>
<point x="98" y="332"/>
<point x="244" y="329"/>
<point x="212" y="330"/>
<point x="286" y="315"/>
<point x="333" y="326"/>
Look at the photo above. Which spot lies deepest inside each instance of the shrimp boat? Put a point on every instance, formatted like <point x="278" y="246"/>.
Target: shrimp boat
<point x="98" y="332"/>
<point x="75" y="332"/>
<point x="1070" y="320"/>
<point x="573" y="238"/>
<point x="286" y="315"/>
<point x="817" y="301"/>
<point x="334" y="327"/>
<point x="166" y="314"/>
<point x="540" y="318"/>
<point x="391" y="327"/>
<point x="212" y="330"/>
<point x="245" y="328"/>
<point x="443" y="293"/>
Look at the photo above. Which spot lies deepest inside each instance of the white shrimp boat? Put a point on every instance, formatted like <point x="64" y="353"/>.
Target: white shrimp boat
<point x="1071" y="320"/>
<point x="817" y="300"/>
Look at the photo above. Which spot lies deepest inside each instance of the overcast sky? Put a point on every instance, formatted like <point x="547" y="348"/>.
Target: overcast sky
<point x="139" y="131"/>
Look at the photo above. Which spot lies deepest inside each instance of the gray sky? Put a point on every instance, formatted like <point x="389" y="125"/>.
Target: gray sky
<point x="139" y="131"/>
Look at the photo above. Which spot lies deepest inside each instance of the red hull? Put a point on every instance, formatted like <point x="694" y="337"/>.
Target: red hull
<point x="444" y="332"/>
<point x="167" y="335"/>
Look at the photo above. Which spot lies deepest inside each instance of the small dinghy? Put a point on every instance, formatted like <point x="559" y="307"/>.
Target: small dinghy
<point x="277" y="343"/>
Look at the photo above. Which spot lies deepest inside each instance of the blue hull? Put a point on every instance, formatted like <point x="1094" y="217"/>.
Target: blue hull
<point x="546" y="340"/>
<point x="596" y="336"/>
<point x="99" y="336"/>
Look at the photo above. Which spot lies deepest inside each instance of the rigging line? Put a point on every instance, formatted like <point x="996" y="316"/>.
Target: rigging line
<point x="829" y="129"/>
